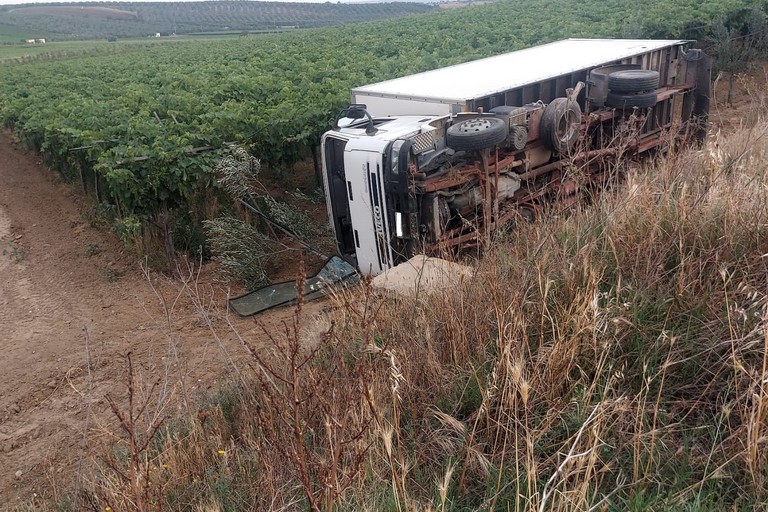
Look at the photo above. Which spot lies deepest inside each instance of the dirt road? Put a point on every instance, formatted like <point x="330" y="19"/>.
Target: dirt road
<point x="69" y="294"/>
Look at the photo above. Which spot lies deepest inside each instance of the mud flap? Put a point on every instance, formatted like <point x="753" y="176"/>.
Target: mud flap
<point x="335" y="274"/>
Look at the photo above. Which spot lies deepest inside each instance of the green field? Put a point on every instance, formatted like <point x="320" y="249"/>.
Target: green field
<point x="15" y="34"/>
<point x="137" y="109"/>
<point x="99" y="20"/>
<point x="21" y="51"/>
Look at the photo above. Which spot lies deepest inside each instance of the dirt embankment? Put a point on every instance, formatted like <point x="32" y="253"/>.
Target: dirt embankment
<point x="72" y="304"/>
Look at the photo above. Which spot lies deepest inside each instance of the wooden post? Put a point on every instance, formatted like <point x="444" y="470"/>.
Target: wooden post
<point x="165" y="224"/>
<point x="485" y="178"/>
<point x="316" y="163"/>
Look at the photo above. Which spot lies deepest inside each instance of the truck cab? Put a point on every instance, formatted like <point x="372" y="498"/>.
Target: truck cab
<point x="367" y="167"/>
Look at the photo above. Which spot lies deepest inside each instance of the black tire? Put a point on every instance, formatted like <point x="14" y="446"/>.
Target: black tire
<point x="476" y="133"/>
<point x="633" y="80"/>
<point x="527" y="213"/>
<point x="630" y="101"/>
<point x="560" y="125"/>
<point x="506" y="110"/>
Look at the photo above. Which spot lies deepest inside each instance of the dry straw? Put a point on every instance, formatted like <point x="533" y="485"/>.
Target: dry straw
<point x="610" y="356"/>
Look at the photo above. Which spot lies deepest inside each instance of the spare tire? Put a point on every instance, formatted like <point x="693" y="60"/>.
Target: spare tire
<point x="507" y="110"/>
<point x="629" y="101"/>
<point x="503" y="110"/>
<point x="633" y="80"/>
<point x="560" y="124"/>
<point x="476" y="133"/>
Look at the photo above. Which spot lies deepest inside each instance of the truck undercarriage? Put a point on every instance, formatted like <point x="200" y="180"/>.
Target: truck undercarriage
<point x="448" y="182"/>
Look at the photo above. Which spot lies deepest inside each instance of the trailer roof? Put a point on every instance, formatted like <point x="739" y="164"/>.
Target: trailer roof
<point x="492" y="75"/>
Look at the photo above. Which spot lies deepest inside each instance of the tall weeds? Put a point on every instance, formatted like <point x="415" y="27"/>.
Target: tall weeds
<point x="611" y="358"/>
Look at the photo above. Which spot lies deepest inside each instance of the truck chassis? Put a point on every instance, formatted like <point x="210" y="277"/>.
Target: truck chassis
<point x="457" y="179"/>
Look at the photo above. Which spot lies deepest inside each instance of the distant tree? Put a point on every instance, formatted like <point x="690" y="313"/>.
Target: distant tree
<point x="732" y="51"/>
<point x="632" y="27"/>
<point x="757" y="28"/>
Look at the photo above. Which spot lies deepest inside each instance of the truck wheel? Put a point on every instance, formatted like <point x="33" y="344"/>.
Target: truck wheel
<point x="518" y="137"/>
<point x="630" y="101"/>
<point x="477" y="133"/>
<point x="633" y="80"/>
<point x="560" y="123"/>
<point x="528" y="213"/>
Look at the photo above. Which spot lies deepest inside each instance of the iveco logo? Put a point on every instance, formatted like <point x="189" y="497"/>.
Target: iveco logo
<point x="377" y="220"/>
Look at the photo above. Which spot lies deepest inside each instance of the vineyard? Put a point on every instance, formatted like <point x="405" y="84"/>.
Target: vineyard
<point x="125" y="20"/>
<point x="142" y="129"/>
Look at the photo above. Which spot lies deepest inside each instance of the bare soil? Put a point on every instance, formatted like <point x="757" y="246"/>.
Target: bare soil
<point x="749" y="98"/>
<point x="69" y="295"/>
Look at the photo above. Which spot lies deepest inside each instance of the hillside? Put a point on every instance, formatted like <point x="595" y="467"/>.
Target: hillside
<point x="99" y="20"/>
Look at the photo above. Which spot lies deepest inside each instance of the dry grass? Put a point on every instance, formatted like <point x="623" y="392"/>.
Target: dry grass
<point x="614" y="358"/>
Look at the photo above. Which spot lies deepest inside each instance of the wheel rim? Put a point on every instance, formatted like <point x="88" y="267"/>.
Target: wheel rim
<point x="475" y="125"/>
<point x="566" y="126"/>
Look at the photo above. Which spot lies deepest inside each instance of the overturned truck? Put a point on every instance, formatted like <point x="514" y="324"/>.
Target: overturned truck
<point x="444" y="158"/>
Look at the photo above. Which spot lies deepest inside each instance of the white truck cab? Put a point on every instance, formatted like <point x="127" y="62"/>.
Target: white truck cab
<point x="366" y="182"/>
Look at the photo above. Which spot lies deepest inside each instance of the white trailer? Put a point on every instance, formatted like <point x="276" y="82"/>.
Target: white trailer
<point x="441" y="159"/>
<point x="494" y="81"/>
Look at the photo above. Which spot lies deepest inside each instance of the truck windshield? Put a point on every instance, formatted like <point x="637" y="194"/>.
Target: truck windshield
<point x="338" y="204"/>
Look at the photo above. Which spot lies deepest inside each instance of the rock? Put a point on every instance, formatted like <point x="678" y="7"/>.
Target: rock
<point x="422" y="275"/>
<point x="52" y="384"/>
<point x="18" y="474"/>
<point x="15" y="408"/>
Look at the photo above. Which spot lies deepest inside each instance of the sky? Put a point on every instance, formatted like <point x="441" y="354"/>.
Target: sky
<point x="17" y="2"/>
